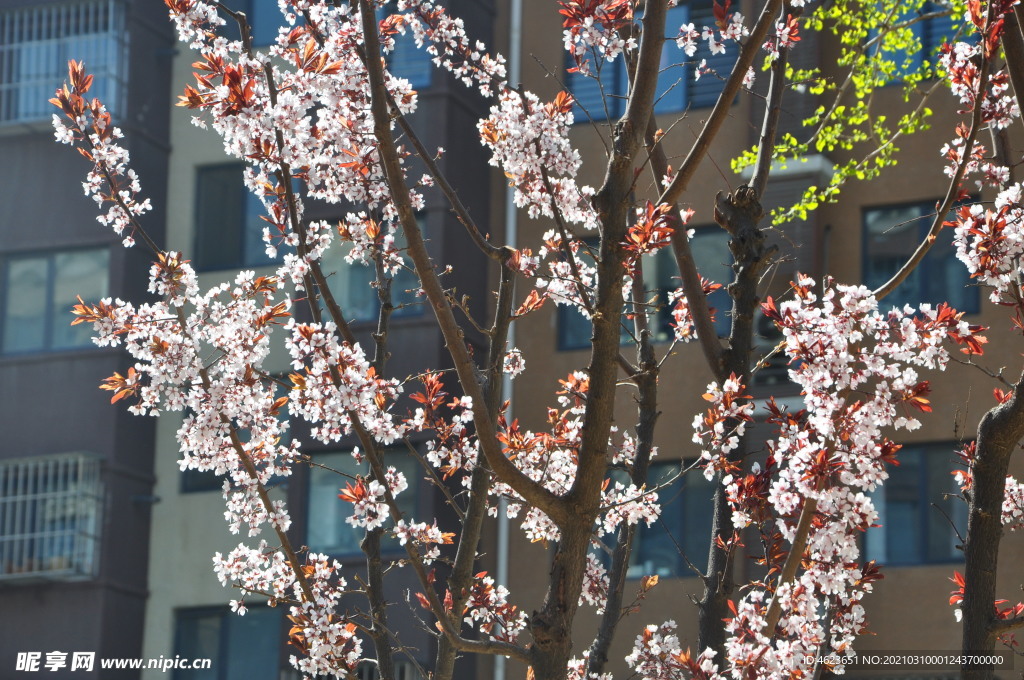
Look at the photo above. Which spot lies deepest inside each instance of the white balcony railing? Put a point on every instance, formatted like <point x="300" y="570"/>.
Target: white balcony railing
<point x="36" y="43"/>
<point x="50" y="509"/>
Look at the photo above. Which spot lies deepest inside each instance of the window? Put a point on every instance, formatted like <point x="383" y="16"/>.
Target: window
<point x="912" y="530"/>
<point x="39" y="291"/>
<point x="684" y="527"/>
<point x="677" y="87"/>
<point x="406" y="61"/>
<point x="328" y="531"/>
<point x="265" y="19"/>
<point x="38" y="41"/>
<point x="891" y="235"/>
<point x="931" y="34"/>
<point x="229" y="231"/>
<point x="710" y="248"/>
<point x="354" y="284"/>
<point x="238" y="647"/>
<point x="50" y="517"/>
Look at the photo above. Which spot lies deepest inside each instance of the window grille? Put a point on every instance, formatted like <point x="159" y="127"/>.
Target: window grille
<point x="36" y="43"/>
<point x="50" y="510"/>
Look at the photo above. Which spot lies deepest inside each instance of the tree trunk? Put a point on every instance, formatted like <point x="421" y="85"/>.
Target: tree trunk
<point x="999" y="433"/>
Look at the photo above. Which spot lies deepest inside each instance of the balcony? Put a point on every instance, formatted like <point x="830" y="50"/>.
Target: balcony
<point x="50" y="517"/>
<point x="36" y="43"/>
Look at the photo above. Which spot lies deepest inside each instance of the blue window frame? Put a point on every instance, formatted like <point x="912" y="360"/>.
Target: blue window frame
<point x="891" y="235"/>
<point x="710" y="247"/>
<point x="38" y="292"/>
<point x="229" y="228"/>
<point x="327" y="531"/>
<point x="913" y="530"/>
<point x="683" y="532"/>
<point x="239" y="647"/>
<point x="677" y="88"/>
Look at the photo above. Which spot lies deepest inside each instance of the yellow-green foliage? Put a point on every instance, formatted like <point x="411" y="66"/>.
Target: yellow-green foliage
<point x="877" y="47"/>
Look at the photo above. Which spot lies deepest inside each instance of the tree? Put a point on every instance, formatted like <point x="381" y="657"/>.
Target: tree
<point x="323" y="109"/>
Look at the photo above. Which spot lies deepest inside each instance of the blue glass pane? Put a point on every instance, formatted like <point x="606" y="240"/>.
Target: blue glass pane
<point x="698" y="511"/>
<point x="672" y="85"/>
<point x="253" y="645"/>
<point x="891" y="236"/>
<point x="942" y="492"/>
<point x="903" y="509"/>
<point x="655" y="551"/>
<point x="221" y="200"/>
<point x="198" y="636"/>
<point x="573" y="328"/>
<point x="410" y="62"/>
<point x="25" y="304"/>
<point x="76" y="273"/>
<point x="255" y="246"/>
<point x="936" y="31"/>
<point x="264" y="21"/>
<point x="710" y="248"/>
<point x="328" y="532"/>
<point x="684" y="528"/>
<point x="599" y="95"/>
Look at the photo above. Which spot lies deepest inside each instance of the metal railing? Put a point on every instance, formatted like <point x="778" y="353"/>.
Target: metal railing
<point x="50" y="517"/>
<point x="36" y="43"/>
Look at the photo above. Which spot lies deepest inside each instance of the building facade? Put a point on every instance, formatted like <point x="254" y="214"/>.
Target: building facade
<point x="864" y="239"/>
<point x="76" y="474"/>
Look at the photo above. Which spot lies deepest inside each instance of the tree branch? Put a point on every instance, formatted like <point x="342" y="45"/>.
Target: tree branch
<point x="732" y="87"/>
<point x="951" y="194"/>
<point x="507" y="471"/>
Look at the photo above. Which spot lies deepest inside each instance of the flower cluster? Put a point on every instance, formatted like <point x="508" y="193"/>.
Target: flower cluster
<point x="990" y="242"/>
<point x="334" y="386"/>
<point x="423" y="534"/>
<point x="329" y="643"/>
<point x="1013" y="504"/>
<point x="489" y="609"/>
<point x="595" y="28"/>
<point x="529" y="142"/>
<point x="369" y="499"/>
<point x="595" y="584"/>
<point x="858" y="371"/>
<point x="627" y="504"/>
<point x="720" y="429"/>
<point x="110" y="180"/>
<point x="658" y="655"/>
<point x="450" y="46"/>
